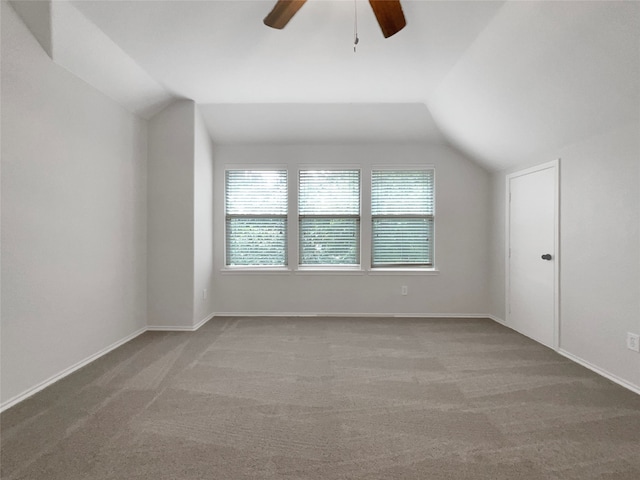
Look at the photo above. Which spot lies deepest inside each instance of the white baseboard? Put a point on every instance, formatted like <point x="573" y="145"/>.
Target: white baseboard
<point x="461" y="316"/>
<point x="203" y="321"/>
<point x="179" y="328"/>
<point x="355" y="315"/>
<point x="600" y="371"/>
<point x="582" y="362"/>
<point x="497" y="319"/>
<point x="169" y="328"/>
<point x="68" y="371"/>
<point x="31" y="391"/>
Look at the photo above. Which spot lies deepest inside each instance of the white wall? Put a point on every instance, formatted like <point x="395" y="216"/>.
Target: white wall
<point x="496" y="278"/>
<point x="599" y="249"/>
<point x="462" y="214"/>
<point x="180" y="218"/>
<point x="73" y="216"/>
<point x="170" y="216"/>
<point x="599" y="246"/>
<point x="203" y="222"/>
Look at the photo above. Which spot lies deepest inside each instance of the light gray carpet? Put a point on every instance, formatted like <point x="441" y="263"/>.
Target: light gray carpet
<point x="327" y="398"/>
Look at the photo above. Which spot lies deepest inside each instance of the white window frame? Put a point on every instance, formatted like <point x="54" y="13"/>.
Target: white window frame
<point x="256" y="268"/>
<point x="403" y="269"/>
<point x="366" y="230"/>
<point x="328" y="268"/>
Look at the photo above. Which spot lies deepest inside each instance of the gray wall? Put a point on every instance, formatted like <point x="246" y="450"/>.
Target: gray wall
<point x="599" y="249"/>
<point x="75" y="256"/>
<point x="461" y="243"/>
<point x="180" y="218"/>
<point x="170" y="216"/>
<point x="203" y="222"/>
<point x="73" y="216"/>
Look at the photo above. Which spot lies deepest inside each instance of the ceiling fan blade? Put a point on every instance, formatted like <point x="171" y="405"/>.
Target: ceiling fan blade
<point x="282" y="13"/>
<point x="390" y="16"/>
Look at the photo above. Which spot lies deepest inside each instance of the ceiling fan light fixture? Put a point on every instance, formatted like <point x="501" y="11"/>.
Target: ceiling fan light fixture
<point x="388" y="13"/>
<point x="282" y="12"/>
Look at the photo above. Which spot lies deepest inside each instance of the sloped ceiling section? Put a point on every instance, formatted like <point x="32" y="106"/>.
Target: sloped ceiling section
<point x="76" y="44"/>
<point x="37" y="16"/>
<point x="502" y="81"/>
<point x="221" y="52"/>
<point x="540" y="76"/>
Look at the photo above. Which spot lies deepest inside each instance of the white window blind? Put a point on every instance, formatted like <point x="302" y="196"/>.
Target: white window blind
<point x="256" y="217"/>
<point x="402" y="212"/>
<point x="329" y="217"/>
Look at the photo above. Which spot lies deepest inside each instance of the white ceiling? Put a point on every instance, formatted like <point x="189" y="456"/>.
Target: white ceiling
<point x="292" y="123"/>
<point x="540" y="76"/>
<point x="502" y="81"/>
<point x="221" y="52"/>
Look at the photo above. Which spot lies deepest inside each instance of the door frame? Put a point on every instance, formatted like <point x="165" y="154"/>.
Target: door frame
<point x="555" y="165"/>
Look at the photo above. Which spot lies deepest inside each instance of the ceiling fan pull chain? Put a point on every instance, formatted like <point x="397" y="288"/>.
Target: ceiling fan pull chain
<point x="355" y="25"/>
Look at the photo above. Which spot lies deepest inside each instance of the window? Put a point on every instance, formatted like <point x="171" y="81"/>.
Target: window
<point x="329" y="217"/>
<point x="256" y="217"/>
<point x="260" y="234"/>
<point x="402" y="212"/>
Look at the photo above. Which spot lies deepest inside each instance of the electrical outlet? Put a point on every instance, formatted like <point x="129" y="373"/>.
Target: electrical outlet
<point x="405" y="290"/>
<point x="633" y="341"/>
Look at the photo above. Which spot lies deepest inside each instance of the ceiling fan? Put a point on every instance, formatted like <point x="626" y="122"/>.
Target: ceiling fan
<point x="388" y="13"/>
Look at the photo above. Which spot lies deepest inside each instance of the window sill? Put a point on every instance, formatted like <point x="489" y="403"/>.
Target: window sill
<point x="328" y="271"/>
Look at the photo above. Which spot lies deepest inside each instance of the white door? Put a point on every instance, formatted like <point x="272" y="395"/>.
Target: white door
<point x="532" y="263"/>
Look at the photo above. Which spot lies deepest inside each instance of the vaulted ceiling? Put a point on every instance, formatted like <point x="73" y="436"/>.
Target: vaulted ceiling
<point x="502" y="81"/>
